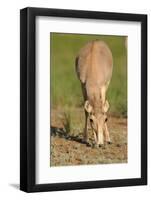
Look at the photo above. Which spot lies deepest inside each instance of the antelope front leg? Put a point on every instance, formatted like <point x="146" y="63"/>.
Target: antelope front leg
<point x="106" y="134"/>
<point x="86" y="128"/>
<point x="95" y="138"/>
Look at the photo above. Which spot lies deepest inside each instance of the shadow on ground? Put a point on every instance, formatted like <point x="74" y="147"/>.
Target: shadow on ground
<point x="60" y="132"/>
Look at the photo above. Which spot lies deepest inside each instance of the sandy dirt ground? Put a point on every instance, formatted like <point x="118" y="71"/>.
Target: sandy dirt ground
<point x="68" y="149"/>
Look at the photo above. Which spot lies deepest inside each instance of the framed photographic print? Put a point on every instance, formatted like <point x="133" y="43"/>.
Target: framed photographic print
<point x="83" y="99"/>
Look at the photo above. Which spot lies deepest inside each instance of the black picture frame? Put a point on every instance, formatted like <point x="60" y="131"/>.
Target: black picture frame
<point x="28" y="99"/>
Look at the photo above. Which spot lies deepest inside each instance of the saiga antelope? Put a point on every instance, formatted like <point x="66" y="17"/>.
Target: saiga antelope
<point x="94" y="65"/>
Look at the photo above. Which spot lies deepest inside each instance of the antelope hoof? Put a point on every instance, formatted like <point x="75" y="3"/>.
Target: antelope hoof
<point x="95" y="145"/>
<point x="102" y="146"/>
<point x="85" y="141"/>
<point x="88" y="144"/>
<point x="98" y="146"/>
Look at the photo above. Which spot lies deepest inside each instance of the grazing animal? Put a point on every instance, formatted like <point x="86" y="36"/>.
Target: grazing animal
<point x="94" y="65"/>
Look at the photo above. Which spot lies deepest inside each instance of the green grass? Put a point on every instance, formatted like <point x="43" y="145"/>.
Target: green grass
<point x="65" y="87"/>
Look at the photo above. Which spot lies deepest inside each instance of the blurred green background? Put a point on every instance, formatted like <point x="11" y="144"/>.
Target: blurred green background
<point x="65" y="86"/>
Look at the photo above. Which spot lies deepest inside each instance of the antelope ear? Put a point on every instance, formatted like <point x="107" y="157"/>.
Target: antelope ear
<point x="106" y="106"/>
<point x="88" y="107"/>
